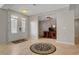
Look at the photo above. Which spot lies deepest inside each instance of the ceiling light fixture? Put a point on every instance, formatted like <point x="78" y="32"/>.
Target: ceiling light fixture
<point x="24" y="11"/>
<point x="34" y="4"/>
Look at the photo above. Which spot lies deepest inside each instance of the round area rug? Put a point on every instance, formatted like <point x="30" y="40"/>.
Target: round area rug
<point x="43" y="48"/>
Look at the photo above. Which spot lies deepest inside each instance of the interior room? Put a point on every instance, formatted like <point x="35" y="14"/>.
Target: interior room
<point x="39" y="29"/>
<point x="47" y="27"/>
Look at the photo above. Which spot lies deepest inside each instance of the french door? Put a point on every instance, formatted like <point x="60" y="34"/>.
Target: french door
<point x="17" y="28"/>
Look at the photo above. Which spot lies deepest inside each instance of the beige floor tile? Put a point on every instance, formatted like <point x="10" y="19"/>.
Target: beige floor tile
<point x="23" y="48"/>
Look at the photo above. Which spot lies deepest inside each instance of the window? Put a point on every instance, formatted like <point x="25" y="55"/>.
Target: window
<point x="13" y="24"/>
<point x="23" y="22"/>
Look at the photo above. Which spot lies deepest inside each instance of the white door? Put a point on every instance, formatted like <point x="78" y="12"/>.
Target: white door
<point x="34" y="28"/>
<point x="22" y="27"/>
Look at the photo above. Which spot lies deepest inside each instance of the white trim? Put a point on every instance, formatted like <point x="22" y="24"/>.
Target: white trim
<point x="66" y="42"/>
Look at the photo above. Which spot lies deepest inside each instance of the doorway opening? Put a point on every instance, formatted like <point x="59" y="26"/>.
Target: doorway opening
<point x="47" y="28"/>
<point x="76" y="22"/>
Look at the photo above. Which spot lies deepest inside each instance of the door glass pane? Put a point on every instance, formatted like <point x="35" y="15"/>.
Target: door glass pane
<point x="13" y="24"/>
<point x="23" y="21"/>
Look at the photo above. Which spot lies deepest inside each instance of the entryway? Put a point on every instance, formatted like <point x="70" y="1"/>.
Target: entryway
<point x="17" y="28"/>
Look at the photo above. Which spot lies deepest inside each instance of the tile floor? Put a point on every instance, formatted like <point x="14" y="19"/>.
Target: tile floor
<point x="23" y="48"/>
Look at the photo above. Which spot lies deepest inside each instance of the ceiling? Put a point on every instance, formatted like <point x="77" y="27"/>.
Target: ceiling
<point x="1" y="5"/>
<point x="34" y="8"/>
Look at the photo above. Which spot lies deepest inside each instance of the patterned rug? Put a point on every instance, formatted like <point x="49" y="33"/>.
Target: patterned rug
<point x="43" y="48"/>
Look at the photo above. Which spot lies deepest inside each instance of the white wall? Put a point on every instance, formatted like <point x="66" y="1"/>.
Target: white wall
<point x="65" y="27"/>
<point x="3" y="26"/>
<point x="19" y="35"/>
<point x="75" y="7"/>
<point x="33" y="27"/>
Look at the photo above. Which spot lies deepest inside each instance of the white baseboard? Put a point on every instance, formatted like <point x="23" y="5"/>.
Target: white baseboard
<point x="66" y="42"/>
